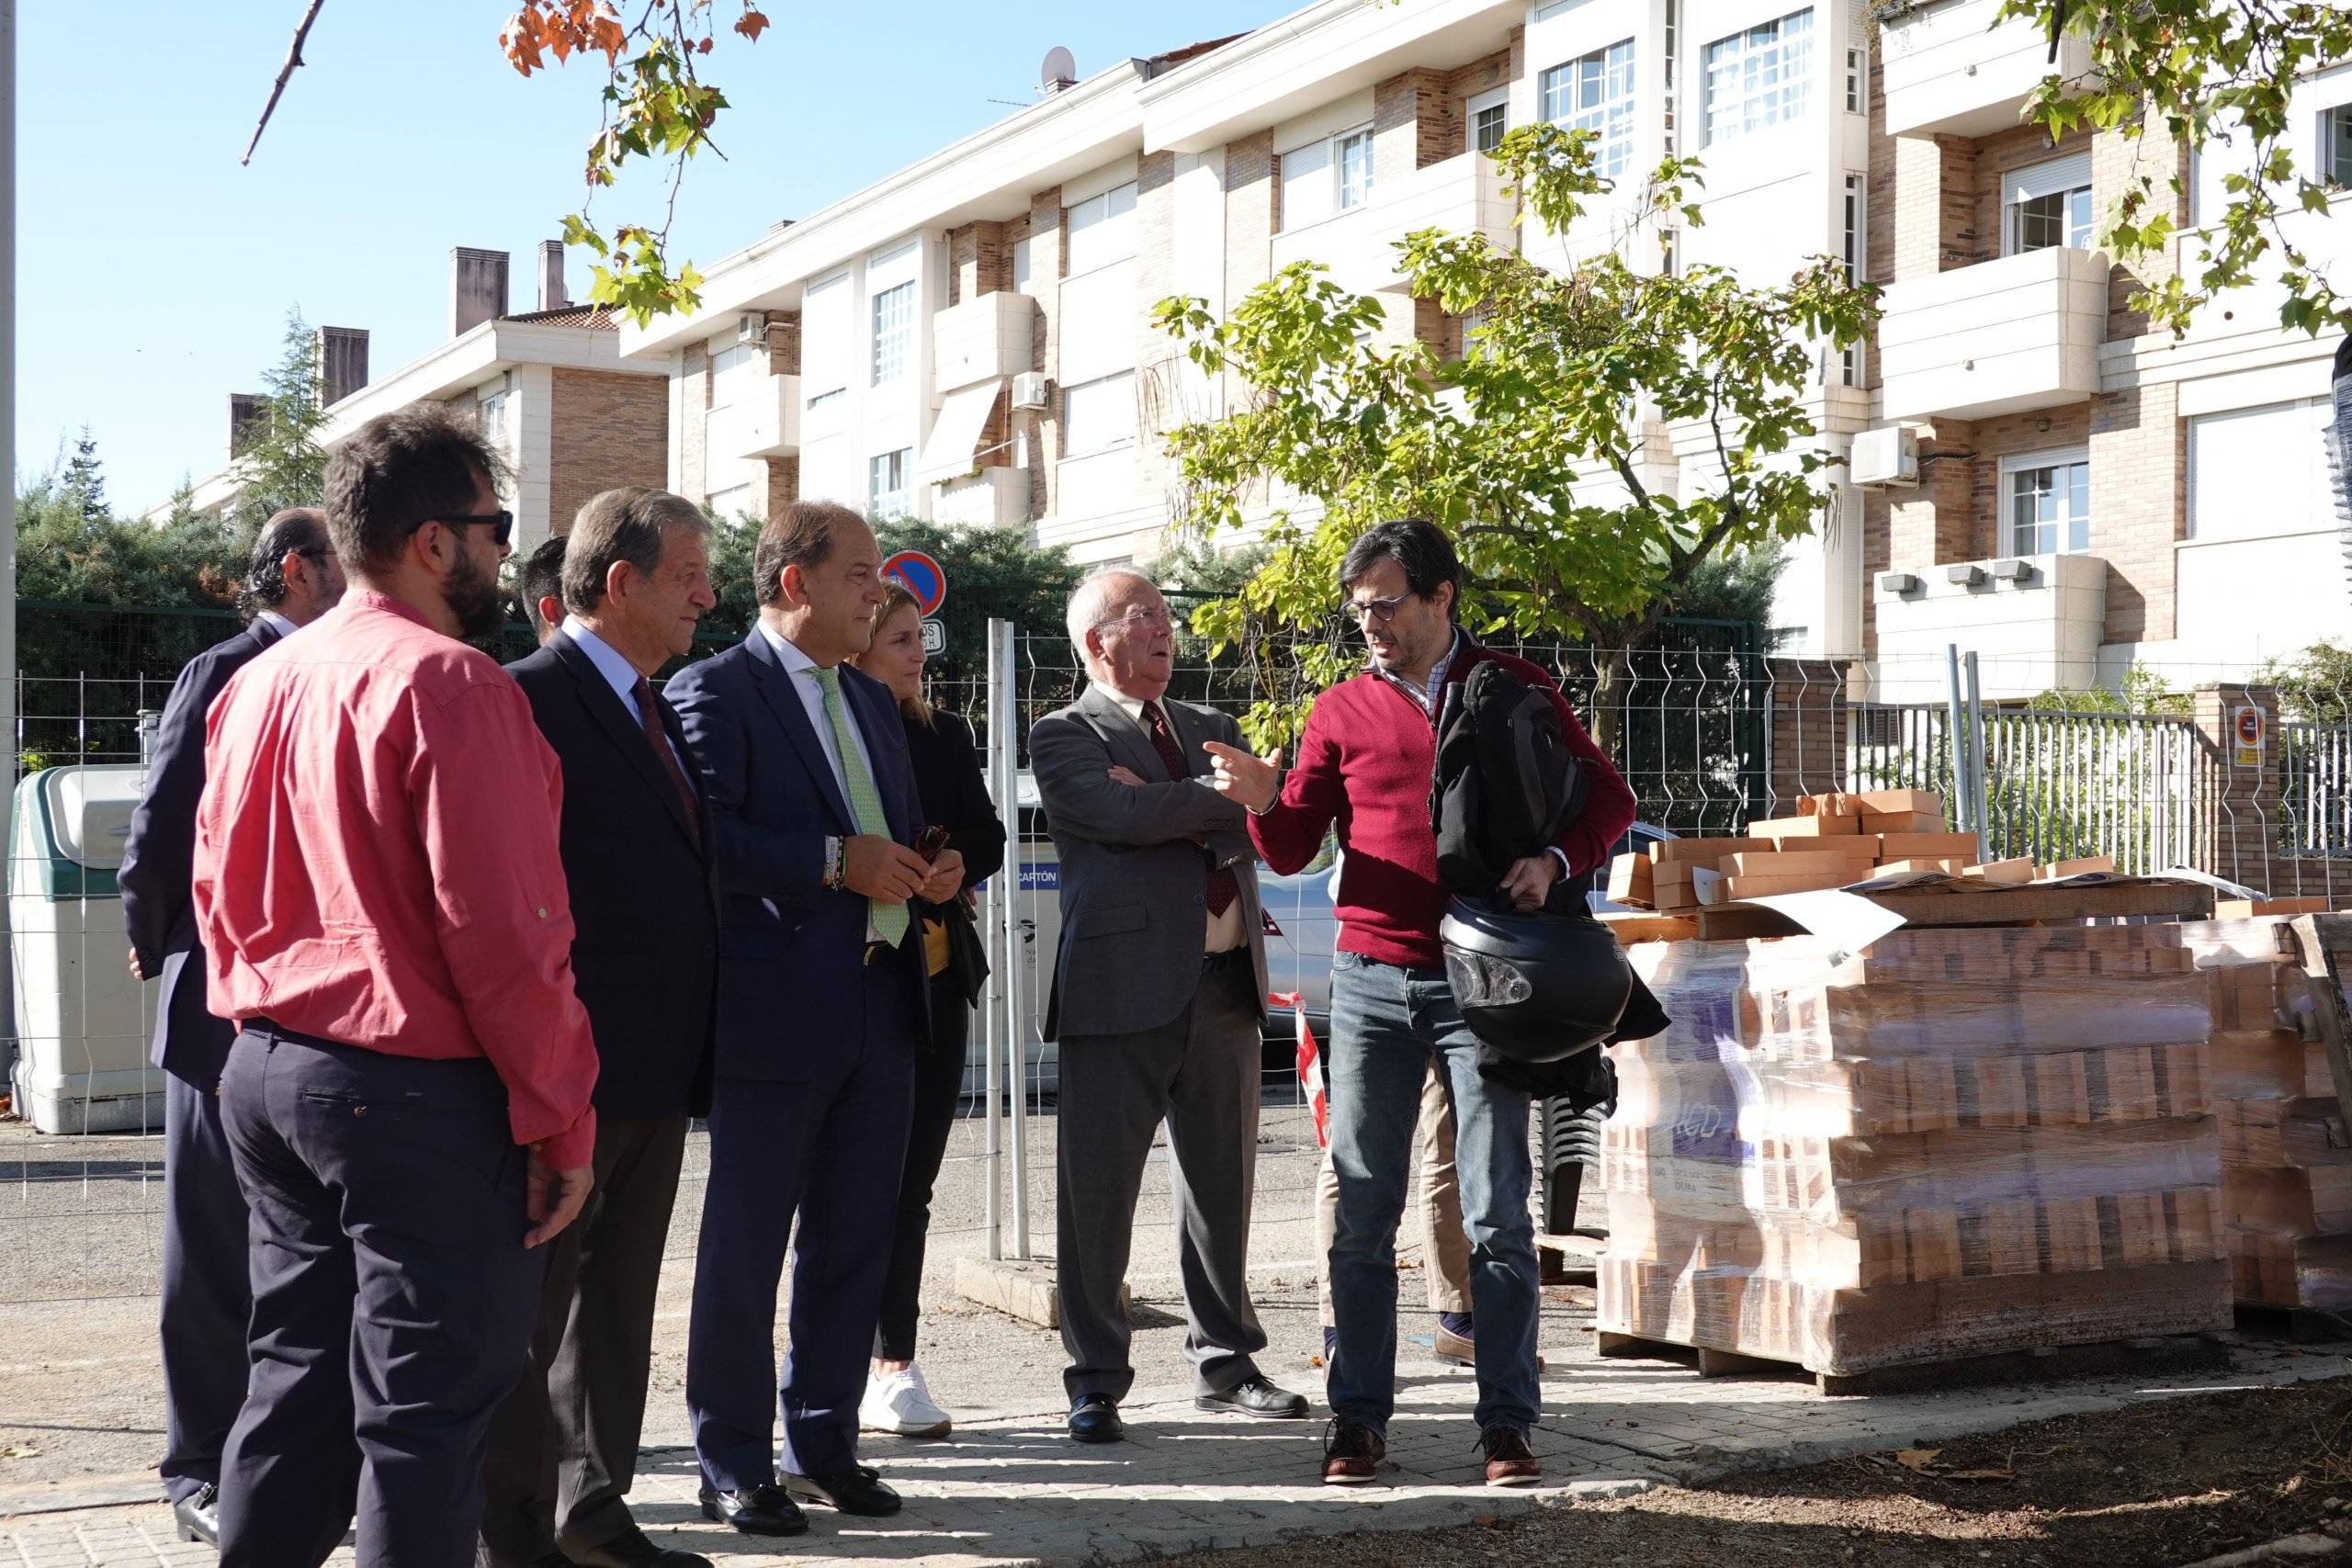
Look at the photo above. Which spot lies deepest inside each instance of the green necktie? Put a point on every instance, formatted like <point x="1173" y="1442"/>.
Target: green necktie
<point x="865" y="800"/>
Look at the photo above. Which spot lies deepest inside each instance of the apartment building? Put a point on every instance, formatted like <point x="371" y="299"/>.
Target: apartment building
<point x="967" y="341"/>
<point x="2071" y="493"/>
<point x="548" y="385"/>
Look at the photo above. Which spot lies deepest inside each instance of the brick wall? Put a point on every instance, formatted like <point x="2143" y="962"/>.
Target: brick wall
<point x="1933" y="523"/>
<point x="1416" y="122"/>
<point x="2139" y="450"/>
<point x="694" y="403"/>
<point x="784" y="343"/>
<point x="1808" y="699"/>
<point x="1998" y="156"/>
<point x="784" y="485"/>
<point x="2116" y="163"/>
<point x="1044" y="233"/>
<point x="606" y="429"/>
<point x="1468" y="81"/>
<point x="979" y="261"/>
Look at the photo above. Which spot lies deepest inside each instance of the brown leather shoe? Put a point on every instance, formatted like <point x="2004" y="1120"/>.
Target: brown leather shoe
<point x="1509" y="1461"/>
<point x="1351" y="1453"/>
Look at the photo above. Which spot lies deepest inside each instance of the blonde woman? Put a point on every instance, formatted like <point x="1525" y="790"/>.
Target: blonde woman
<point x="947" y="781"/>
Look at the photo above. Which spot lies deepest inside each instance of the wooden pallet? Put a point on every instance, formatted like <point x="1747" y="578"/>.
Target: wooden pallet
<point x="2297" y="1325"/>
<point x="1974" y="905"/>
<point x="2148" y="1357"/>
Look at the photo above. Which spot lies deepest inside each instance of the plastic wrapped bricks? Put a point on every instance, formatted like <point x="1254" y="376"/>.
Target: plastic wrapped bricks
<point x="2286" y="1171"/>
<point x="1959" y="1142"/>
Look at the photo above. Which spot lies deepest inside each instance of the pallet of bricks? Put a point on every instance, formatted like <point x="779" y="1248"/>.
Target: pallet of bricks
<point x="2285" y="1153"/>
<point x="1958" y="1143"/>
<point x="1834" y="841"/>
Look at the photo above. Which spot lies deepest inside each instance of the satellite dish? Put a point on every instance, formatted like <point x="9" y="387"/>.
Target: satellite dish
<point x="1059" y="71"/>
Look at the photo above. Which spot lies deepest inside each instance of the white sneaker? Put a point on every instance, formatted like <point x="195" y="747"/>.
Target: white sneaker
<point x="901" y="1404"/>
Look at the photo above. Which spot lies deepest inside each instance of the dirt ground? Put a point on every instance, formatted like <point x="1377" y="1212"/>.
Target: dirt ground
<point x="2158" y="1485"/>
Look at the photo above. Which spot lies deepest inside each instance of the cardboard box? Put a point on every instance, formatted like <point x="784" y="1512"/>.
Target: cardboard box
<point x="2247" y="909"/>
<point x="1731" y="889"/>
<point x="1903" y="821"/>
<point x="1629" y="879"/>
<point x="1799" y="863"/>
<point x="1928" y="846"/>
<point x="1949" y="866"/>
<point x="1706" y="852"/>
<point x="2076" y="867"/>
<point x="2007" y="873"/>
<point x="1881" y="802"/>
<point x="1779" y="827"/>
<point x="1829" y="805"/>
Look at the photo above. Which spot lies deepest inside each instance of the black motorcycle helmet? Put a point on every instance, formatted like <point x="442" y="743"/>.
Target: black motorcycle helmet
<point x="1535" y="987"/>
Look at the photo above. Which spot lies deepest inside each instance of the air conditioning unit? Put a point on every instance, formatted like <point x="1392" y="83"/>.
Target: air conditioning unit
<point x="1889" y="456"/>
<point x="752" y="328"/>
<point x="1029" y="392"/>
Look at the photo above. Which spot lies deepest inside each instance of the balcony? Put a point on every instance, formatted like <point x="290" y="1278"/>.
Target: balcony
<point x="1462" y="195"/>
<point x="986" y="497"/>
<point x="1950" y="71"/>
<point x="764" y="425"/>
<point x="2032" y="636"/>
<point x="2002" y="336"/>
<point x="982" y="339"/>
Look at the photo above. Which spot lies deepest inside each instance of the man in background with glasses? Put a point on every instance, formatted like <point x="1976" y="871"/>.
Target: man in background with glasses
<point x="1157" y="998"/>
<point x="291" y="581"/>
<point x="384" y="912"/>
<point x="1365" y="761"/>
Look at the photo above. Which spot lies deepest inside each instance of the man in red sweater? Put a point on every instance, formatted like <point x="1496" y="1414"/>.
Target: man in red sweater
<point x="1365" y="762"/>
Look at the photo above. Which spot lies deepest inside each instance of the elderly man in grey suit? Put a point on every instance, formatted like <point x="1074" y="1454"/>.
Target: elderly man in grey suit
<point x="1158" y="994"/>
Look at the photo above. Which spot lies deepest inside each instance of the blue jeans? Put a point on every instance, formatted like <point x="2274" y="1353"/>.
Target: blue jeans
<point x="1386" y="1025"/>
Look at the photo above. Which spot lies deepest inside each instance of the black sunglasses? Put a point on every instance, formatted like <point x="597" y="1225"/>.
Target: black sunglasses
<point x="503" y="524"/>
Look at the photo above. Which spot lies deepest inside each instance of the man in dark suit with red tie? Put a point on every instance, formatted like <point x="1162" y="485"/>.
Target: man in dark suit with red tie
<point x="636" y="842"/>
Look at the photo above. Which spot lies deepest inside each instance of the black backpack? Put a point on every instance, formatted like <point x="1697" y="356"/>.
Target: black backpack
<point x="1506" y="783"/>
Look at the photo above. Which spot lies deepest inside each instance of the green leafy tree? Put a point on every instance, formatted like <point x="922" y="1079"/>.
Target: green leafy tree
<point x="279" y="461"/>
<point x="2316" y="685"/>
<point x="2206" y="75"/>
<point x="84" y="483"/>
<point x="1528" y="449"/>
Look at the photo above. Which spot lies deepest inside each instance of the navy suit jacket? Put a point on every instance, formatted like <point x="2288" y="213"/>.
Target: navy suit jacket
<point x="645" y="922"/>
<point x="789" y="948"/>
<point x="159" y="865"/>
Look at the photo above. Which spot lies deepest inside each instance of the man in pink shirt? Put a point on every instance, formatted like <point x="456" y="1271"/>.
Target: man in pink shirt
<point x="384" y="914"/>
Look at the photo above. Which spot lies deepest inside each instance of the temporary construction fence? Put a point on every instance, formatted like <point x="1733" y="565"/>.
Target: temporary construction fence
<point x="1708" y="726"/>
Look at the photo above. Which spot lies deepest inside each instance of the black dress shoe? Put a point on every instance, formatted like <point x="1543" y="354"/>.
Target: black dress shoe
<point x="1255" y="1396"/>
<point x="631" y="1550"/>
<point x="1094" y="1418"/>
<point x="760" y="1510"/>
<point x="197" y="1515"/>
<point x="858" y="1489"/>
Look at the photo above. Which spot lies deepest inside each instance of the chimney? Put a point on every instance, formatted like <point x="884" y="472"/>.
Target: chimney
<point x="248" y="411"/>
<point x="342" y="363"/>
<point x="552" y="292"/>
<point x="476" y="288"/>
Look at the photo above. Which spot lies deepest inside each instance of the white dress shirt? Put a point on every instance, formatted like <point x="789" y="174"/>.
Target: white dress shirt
<point x="618" y="672"/>
<point x="285" y="627"/>
<point x="803" y="670"/>
<point x="1224" y="933"/>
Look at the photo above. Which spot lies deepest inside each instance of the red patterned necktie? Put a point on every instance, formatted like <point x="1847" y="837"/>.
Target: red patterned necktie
<point x="1223" y="887"/>
<point x="650" y="715"/>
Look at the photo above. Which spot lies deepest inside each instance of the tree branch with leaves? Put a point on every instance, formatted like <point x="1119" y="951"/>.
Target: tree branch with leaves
<point x="2208" y="75"/>
<point x="1530" y="449"/>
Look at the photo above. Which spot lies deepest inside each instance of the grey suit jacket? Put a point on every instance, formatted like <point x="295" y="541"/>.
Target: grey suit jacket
<point x="1134" y="879"/>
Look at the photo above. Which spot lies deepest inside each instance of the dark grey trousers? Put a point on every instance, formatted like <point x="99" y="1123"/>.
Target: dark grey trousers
<point x="208" y="1296"/>
<point x="1199" y="1074"/>
<point x="563" y="1447"/>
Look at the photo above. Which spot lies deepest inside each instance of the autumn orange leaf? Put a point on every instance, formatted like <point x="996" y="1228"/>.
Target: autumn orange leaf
<point x="752" y="24"/>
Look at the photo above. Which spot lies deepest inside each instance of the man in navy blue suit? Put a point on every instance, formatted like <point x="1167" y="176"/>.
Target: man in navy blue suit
<point x="822" y="996"/>
<point x="291" y="581"/>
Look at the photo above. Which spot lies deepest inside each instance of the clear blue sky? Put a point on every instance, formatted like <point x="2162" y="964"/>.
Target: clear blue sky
<point x="154" y="273"/>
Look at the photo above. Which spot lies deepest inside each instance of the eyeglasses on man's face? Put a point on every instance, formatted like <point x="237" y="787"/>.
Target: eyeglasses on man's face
<point x="1381" y="610"/>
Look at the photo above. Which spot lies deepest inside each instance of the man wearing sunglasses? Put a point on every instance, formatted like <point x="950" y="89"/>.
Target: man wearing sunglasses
<point x="381" y="902"/>
<point x="1365" y="761"/>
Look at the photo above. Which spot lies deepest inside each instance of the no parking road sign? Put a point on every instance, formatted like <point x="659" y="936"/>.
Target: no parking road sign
<point x="922" y="577"/>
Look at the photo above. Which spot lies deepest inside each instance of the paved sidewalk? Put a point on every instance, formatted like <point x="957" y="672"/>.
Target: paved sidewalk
<point x="1011" y="1488"/>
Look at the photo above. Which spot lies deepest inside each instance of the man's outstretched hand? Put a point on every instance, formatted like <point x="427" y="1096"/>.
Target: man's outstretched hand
<point x="1255" y="782"/>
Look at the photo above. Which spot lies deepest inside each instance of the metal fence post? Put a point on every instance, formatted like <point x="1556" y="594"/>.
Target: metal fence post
<point x="1976" y="785"/>
<point x="994" y="921"/>
<point x="1956" y="745"/>
<point x="1016" y="964"/>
